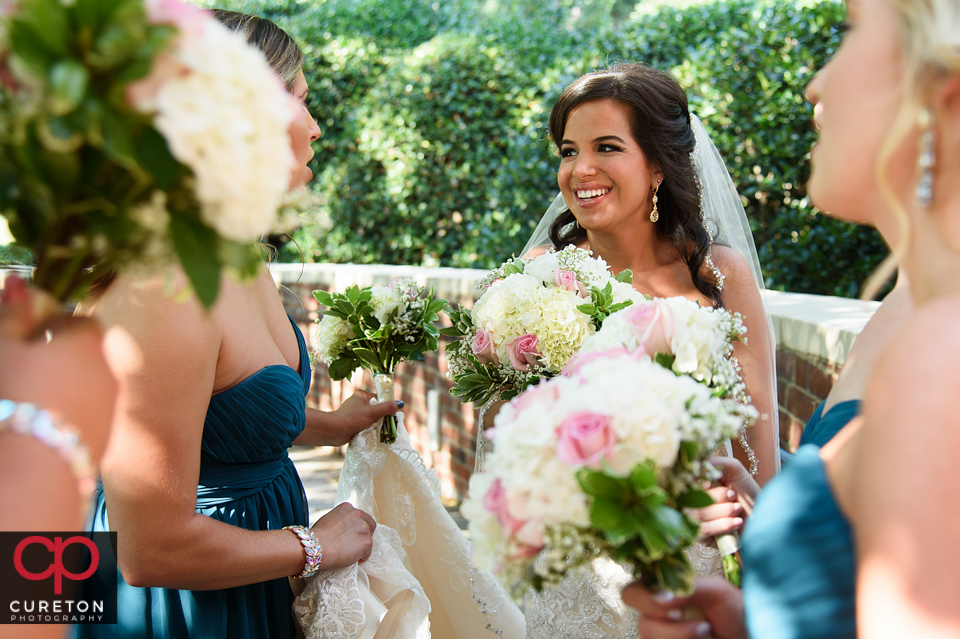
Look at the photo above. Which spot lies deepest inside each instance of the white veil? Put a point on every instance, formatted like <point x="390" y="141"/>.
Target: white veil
<point x="724" y="218"/>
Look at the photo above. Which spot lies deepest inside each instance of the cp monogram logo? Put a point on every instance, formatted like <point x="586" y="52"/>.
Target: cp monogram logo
<point x="56" y="568"/>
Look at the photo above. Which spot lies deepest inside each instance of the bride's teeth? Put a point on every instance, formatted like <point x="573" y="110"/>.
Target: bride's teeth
<point x="587" y="195"/>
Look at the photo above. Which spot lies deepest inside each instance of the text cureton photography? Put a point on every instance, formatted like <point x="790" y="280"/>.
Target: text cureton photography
<point x="43" y="577"/>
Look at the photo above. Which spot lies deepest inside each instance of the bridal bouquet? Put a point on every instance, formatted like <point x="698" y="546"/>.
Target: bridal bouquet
<point x="531" y="319"/>
<point x="687" y="339"/>
<point x="600" y="461"/>
<point x="680" y="335"/>
<point x="376" y="328"/>
<point x="137" y="133"/>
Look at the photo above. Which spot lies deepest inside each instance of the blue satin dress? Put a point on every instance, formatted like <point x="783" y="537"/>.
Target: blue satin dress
<point x="821" y="428"/>
<point x="799" y="563"/>
<point x="246" y="480"/>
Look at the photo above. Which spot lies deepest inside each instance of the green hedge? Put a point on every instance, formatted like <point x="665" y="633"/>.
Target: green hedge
<point x="434" y="113"/>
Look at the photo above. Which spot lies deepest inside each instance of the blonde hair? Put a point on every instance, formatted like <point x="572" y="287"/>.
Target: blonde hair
<point x="281" y="51"/>
<point x="930" y="37"/>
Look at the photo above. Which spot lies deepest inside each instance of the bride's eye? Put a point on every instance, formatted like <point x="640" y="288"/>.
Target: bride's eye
<point x="609" y="148"/>
<point x="567" y="151"/>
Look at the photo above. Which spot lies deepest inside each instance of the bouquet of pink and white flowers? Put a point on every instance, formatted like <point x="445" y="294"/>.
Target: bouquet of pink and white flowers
<point x="600" y="461"/>
<point x="531" y="319"/>
<point x="680" y="335"/>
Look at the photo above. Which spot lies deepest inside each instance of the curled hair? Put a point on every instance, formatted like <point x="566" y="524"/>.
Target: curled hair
<point x="930" y="39"/>
<point x="281" y="51"/>
<point x="660" y="124"/>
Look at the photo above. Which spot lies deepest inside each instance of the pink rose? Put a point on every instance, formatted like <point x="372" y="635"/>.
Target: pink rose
<point x="579" y="360"/>
<point x="483" y="348"/>
<point x="495" y="501"/>
<point x="567" y="280"/>
<point x="652" y="323"/>
<point x="522" y="352"/>
<point x="183" y="16"/>
<point x="585" y="439"/>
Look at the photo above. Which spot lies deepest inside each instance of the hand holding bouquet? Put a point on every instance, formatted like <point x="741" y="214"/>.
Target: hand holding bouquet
<point x="376" y="328"/>
<point x="531" y="319"/>
<point x="600" y="461"/>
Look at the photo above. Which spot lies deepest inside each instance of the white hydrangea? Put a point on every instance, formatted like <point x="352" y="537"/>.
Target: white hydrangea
<point x="385" y="301"/>
<point x="332" y="337"/>
<point x="227" y="118"/>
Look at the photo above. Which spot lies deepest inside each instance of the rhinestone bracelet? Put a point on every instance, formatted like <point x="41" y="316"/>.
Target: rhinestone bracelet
<point x="26" y="419"/>
<point x="311" y="547"/>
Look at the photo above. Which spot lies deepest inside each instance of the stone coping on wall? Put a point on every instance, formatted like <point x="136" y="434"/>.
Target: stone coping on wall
<point x="818" y="325"/>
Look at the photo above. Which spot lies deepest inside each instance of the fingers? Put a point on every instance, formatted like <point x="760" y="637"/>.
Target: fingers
<point x="655" y="629"/>
<point x="663" y="605"/>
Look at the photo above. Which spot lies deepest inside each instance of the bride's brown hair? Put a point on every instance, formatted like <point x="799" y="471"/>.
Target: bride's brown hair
<point x="660" y="124"/>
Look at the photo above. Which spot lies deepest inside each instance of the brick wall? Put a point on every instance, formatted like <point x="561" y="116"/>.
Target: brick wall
<point x="803" y="381"/>
<point x="811" y="347"/>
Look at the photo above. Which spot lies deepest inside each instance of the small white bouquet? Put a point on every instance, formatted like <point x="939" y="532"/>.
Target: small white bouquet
<point x="376" y="328"/>
<point x="531" y="319"/>
<point x="600" y="461"/>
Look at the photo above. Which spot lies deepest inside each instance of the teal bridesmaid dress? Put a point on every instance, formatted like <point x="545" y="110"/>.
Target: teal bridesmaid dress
<point x="246" y="480"/>
<point x="821" y="428"/>
<point x="799" y="564"/>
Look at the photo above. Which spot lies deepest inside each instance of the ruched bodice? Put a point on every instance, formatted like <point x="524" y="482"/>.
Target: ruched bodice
<point x="822" y="427"/>
<point x="246" y="480"/>
<point x="798" y="557"/>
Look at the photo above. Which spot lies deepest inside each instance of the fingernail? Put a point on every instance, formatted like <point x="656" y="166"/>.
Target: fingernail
<point x="676" y="614"/>
<point x="664" y="596"/>
<point x="737" y="508"/>
<point x="737" y="521"/>
<point x="399" y="403"/>
<point x="731" y="494"/>
<point x="704" y="629"/>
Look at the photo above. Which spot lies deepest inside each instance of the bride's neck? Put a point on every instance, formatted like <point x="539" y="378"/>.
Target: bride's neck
<point x="640" y="251"/>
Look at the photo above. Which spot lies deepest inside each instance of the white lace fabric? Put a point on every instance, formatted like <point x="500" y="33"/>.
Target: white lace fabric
<point x="419" y="581"/>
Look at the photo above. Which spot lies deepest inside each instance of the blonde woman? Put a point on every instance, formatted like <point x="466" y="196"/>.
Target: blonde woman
<point x="860" y="538"/>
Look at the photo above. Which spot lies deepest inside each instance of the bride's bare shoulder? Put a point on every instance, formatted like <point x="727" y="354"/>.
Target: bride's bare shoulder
<point x="537" y="251"/>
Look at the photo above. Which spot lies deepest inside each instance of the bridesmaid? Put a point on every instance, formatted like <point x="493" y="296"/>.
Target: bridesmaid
<point x="865" y="530"/>
<point x="196" y="478"/>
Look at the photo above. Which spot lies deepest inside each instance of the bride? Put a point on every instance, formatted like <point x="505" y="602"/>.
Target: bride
<point x="642" y="186"/>
<point x="631" y="176"/>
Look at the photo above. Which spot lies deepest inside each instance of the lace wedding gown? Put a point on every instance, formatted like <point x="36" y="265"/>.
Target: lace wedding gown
<point x="419" y="580"/>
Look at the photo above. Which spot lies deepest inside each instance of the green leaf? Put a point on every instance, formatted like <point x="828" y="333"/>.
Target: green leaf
<point x="343" y="367"/>
<point x="665" y="359"/>
<point x="607" y="513"/>
<point x="154" y="156"/>
<point x="68" y="80"/>
<point x="588" y="309"/>
<point x="599" y="484"/>
<point x="193" y="240"/>
<point x="695" y="498"/>
<point x="625" y="276"/>
<point x="452" y="331"/>
<point x="675" y="573"/>
<point x="369" y="358"/>
<point x="643" y="477"/>
<point x="323" y="297"/>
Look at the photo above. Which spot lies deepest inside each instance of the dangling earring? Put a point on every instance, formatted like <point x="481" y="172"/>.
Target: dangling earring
<point x="654" y="214"/>
<point x="926" y="160"/>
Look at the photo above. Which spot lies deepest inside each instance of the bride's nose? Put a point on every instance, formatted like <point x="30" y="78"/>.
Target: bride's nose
<point x="585" y="166"/>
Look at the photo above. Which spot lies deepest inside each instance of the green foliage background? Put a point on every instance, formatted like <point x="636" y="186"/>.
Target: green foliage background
<point x="434" y="147"/>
